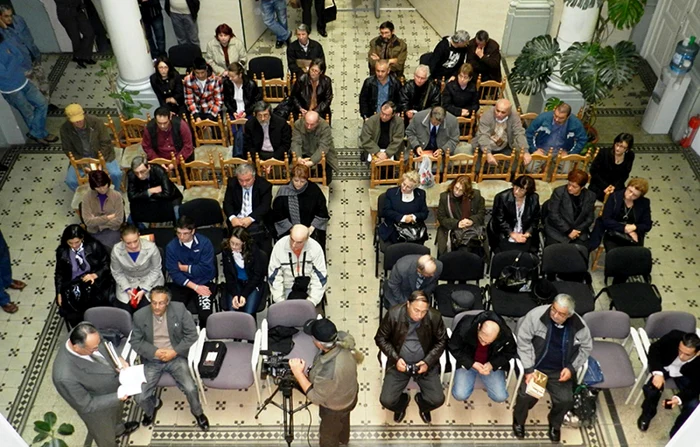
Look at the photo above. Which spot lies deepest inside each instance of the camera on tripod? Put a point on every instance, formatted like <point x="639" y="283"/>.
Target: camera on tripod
<point x="274" y="364"/>
<point x="412" y="369"/>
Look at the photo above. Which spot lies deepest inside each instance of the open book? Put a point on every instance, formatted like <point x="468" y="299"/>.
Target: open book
<point x="537" y="385"/>
<point x="131" y="378"/>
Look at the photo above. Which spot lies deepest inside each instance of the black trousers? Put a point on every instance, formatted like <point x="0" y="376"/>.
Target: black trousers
<point x="652" y="395"/>
<point x="79" y="29"/>
<point x="562" y="394"/>
<point x="334" y="429"/>
<point x="395" y="399"/>
<point x="306" y="14"/>
<point x="200" y="305"/>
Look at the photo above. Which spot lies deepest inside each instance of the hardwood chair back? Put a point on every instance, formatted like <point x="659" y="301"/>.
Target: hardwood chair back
<point x="414" y="163"/>
<point x="570" y="162"/>
<point x="133" y="129"/>
<point x="165" y="163"/>
<point x="458" y="165"/>
<point x="467" y="127"/>
<point x="228" y="167"/>
<point x="490" y="91"/>
<point x="209" y="132"/>
<point x="543" y="172"/>
<point x="386" y="172"/>
<point x="81" y="164"/>
<point x="317" y="172"/>
<point x="275" y="171"/>
<point x="502" y="169"/>
<point x="199" y="173"/>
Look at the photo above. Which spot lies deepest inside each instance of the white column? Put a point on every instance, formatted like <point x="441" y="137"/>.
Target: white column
<point x="525" y="20"/>
<point x="123" y="23"/>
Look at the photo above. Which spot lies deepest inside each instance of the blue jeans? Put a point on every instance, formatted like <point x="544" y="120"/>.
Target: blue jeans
<point x="252" y="302"/>
<point x="5" y="271"/>
<point x="155" y="29"/>
<point x="32" y="105"/>
<point x="464" y="384"/>
<point x="113" y="169"/>
<point x="177" y="368"/>
<point x="275" y="18"/>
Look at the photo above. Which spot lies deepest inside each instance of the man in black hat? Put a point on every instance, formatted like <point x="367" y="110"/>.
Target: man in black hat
<point x="332" y="380"/>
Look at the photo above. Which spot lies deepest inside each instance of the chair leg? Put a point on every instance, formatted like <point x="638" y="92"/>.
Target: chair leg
<point x="598" y="252"/>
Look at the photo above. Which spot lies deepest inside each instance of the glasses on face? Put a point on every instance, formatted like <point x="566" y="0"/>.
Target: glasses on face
<point x="554" y="311"/>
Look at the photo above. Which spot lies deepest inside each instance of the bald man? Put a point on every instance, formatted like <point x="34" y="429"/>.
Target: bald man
<point x="312" y="136"/>
<point x="411" y="273"/>
<point x="500" y="131"/>
<point x="483" y="345"/>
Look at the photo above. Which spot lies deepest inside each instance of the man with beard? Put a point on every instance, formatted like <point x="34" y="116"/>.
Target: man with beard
<point x="389" y="47"/>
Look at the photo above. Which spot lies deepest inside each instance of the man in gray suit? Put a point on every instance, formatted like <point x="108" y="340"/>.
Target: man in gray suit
<point x="163" y="334"/>
<point x="85" y="377"/>
<point x="500" y="131"/>
<point x="433" y="131"/>
<point x="411" y="273"/>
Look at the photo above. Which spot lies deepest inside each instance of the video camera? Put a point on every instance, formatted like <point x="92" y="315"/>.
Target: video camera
<point x="275" y="365"/>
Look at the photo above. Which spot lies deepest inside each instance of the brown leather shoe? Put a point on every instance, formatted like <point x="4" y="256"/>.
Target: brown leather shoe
<point x="17" y="284"/>
<point x="10" y="308"/>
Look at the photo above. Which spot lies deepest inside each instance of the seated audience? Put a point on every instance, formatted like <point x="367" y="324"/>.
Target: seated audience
<point x="203" y="92"/>
<point x="411" y="273"/>
<point x="184" y="18"/>
<point x="167" y="134"/>
<point x="302" y="52"/>
<point x="311" y="136"/>
<point x="412" y="334"/>
<point x="189" y="260"/>
<point x="387" y="47"/>
<point x="297" y="268"/>
<point x="460" y="97"/>
<point x="223" y="50"/>
<point x="313" y="91"/>
<point x="449" y="54"/>
<point x="673" y="356"/>
<point x="406" y="205"/>
<point x="626" y="216"/>
<point x="482" y="345"/>
<point x="247" y="205"/>
<point x="484" y="55"/>
<point x="240" y="92"/>
<point x="378" y="89"/>
<point x="418" y="94"/>
<point x="301" y="202"/>
<point x="85" y="136"/>
<point x="166" y="82"/>
<point x="82" y="277"/>
<point x="432" y="132"/>
<point x="500" y="131"/>
<point x="245" y="267"/>
<point x="102" y="209"/>
<point x="611" y="168"/>
<point x="268" y="135"/>
<point x="137" y="268"/>
<point x="557" y="130"/>
<point x="382" y="134"/>
<point x="515" y="217"/>
<point x="461" y="215"/>
<point x="150" y="191"/>
<point x="570" y="211"/>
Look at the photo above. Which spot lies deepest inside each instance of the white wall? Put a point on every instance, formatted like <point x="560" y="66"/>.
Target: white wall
<point x="489" y="15"/>
<point x="440" y="14"/>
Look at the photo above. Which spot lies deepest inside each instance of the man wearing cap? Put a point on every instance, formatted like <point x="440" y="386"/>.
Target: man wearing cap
<point x="332" y="380"/>
<point x="86" y="136"/>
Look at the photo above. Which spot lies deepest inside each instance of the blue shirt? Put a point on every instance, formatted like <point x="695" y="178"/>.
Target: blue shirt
<point x="382" y="94"/>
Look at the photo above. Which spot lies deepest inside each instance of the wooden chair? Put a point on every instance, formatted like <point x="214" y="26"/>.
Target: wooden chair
<point x="490" y="91"/>
<point x="165" y="163"/>
<point x="209" y="132"/>
<point x="415" y="160"/>
<point x="133" y="129"/>
<point x="458" y="165"/>
<point x="467" y="128"/>
<point x="317" y="173"/>
<point x="116" y="142"/>
<point x="570" y="162"/>
<point x="275" y="171"/>
<point x="541" y="176"/>
<point x="383" y="175"/>
<point x="498" y="177"/>
<point x="601" y="247"/>
<point x="526" y="118"/>
<point x="200" y="180"/>
<point x="82" y="166"/>
<point x="228" y="167"/>
<point x="275" y="90"/>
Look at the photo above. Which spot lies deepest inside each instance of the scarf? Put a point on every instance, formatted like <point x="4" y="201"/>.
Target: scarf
<point x="292" y="195"/>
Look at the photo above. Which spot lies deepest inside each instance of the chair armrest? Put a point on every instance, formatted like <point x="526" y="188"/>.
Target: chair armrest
<point x="644" y="340"/>
<point x="126" y="349"/>
<point x="263" y="337"/>
<point x="639" y="347"/>
<point x="382" y="361"/>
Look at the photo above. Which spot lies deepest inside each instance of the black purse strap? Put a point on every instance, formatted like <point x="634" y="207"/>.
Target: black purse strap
<point x="303" y="264"/>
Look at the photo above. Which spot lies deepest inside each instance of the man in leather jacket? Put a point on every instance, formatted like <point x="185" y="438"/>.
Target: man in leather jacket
<point x="418" y="94"/>
<point x="150" y="191"/>
<point x="413" y="337"/>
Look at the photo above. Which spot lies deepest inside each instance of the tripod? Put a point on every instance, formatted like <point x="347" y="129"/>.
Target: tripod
<point x="286" y="384"/>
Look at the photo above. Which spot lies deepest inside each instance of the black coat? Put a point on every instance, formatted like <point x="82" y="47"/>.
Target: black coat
<point x="454" y="99"/>
<point x="251" y="95"/>
<point x="664" y="351"/>
<point x="169" y="88"/>
<point x="280" y="138"/>
<point x="295" y="51"/>
<point x="604" y="171"/>
<point x="312" y="204"/>
<point x="256" y="271"/>
<point x="488" y="66"/>
<point x="302" y="91"/>
<point x="463" y="343"/>
<point x="394" y="209"/>
<point x="446" y="60"/>
<point x="560" y="215"/>
<point x="612" y="214"/>
<point x="98" y="257"/>
<point x="410" y="99"/>
<point x="137" y="189"/>
<point x="504" y="215"/>
<point x="370" y="91"/>
<point x="261" y="200"/>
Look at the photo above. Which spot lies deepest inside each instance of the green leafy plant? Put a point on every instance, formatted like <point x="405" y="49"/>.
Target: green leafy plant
<point x="48" y="433"/>
<point x="126" y="103"/>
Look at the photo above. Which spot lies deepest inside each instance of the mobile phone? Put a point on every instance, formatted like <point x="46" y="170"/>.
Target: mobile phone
<point x="668" y="404"/>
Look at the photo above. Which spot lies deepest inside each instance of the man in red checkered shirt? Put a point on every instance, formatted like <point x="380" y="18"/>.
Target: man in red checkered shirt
<point x="203" y="92"/>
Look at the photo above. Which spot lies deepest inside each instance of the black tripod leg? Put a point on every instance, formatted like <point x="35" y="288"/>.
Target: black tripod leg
<point x="288" y="426"/>
<point x="266" y="403"/>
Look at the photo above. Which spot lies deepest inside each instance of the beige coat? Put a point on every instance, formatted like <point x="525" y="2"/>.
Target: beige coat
<point x="95" y="218"/>
<point x="146" y="272"/>
<point x="215" y="54"/>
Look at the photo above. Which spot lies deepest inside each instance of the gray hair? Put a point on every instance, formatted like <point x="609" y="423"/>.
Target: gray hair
<point x="460" y="36"/>
<point x="438" y="113"/>
<point x="137" y="161"/>
<point x="423" y="68"/>
<point x="303" y="27"/>
<point x="566" y="301"/>
<point x="244" y="168"/>
<point x="260" y="106"/>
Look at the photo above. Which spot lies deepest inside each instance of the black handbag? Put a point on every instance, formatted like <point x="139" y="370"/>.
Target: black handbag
<point x="213" y="353"/>
<point x="464" y="237"/>
<point x="515" y="278"/>
<point x="620" y="238"/>
<point x="78" y="295"/>
<point x="300" y="288"/>
<point x="411" y="232"/>
<point x="330" y="13"/>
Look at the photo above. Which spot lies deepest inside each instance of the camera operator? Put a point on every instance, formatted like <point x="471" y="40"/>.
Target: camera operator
<point x="332" y="381"/>
<point x="413" y="337"/>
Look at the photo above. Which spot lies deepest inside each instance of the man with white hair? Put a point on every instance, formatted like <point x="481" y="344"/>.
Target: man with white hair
<point x="554" y="340"/>
<point x="500" y="131"/>
<point x="297" y="268"/>
<point x="418" y="94"/>
<point x="410" y="273"/>
<point x="449" y="54"/>
<point x="432" y="132"/>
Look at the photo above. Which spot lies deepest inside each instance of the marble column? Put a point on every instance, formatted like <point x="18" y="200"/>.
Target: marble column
<point x="123" y="22"/>
<point x="526" y="19"/>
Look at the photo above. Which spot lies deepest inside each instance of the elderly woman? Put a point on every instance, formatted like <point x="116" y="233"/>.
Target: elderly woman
<point x="137" y="268"/>
<point x="612" y="166"/>
<point x="313" y="91"/>
<point x="167" y="85"/>
<point x="570" y="211"/>
<point x="82" y="277"/>
<point x="516" y="215"/>
<point x="223" y="50"/>
<point x="301" y="202"/>
<point x="102" y="209"/>
<point x="404" y="205"/>
<point x="245" y="267"/>
<point x="627" y="216"/>
<point x="461" y="215"/>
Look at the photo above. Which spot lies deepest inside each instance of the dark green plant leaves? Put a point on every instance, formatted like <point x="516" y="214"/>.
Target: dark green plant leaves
<point x="535" y="65"/>
<point x="40" y="437"/>
<point x="66" y="429"/>
<point x="50" y="418"/>
<point x="625" y="14"/>
<point x="42" y="427"/>
<point x="552" y="103"/>
<point x="618" y="64"/>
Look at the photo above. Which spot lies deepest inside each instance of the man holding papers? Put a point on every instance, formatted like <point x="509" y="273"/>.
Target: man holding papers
<point x="163" y="334"/>
<point x="87" y="378"/>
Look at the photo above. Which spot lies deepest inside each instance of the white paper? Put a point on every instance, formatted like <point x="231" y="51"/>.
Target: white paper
<point x="131" y="379"/>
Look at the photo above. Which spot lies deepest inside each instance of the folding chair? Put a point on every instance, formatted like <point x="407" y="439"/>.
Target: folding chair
<point x="567" y="266"/>
<point x="106" y="317"/>
<point x="392" y="254"/>
<point x="458" y="267"/>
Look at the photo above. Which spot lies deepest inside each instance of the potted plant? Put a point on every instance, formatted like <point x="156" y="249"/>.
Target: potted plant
<point x="50" y="436"/>
<point x="126" y="104"/>
<point x="594" y="69"/>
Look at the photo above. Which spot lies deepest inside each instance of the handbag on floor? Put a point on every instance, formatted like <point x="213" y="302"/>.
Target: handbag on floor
<point x="330" y="13"/>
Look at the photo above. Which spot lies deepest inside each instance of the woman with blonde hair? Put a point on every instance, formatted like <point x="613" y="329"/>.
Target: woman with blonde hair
<point x="461" y="216"/>
<point x="404" y="206"/>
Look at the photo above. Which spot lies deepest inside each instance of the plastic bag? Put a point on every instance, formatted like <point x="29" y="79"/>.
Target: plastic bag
<point x="425" y="171"/>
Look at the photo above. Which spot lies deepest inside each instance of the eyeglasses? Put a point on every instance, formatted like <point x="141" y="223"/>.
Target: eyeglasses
<point x="556" y="311"/>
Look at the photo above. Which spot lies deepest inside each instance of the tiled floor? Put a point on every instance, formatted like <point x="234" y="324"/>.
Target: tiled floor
<point x="34" y="208"/>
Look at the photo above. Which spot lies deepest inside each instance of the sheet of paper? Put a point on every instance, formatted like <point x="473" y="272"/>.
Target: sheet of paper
<point x="131" y="379"/>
